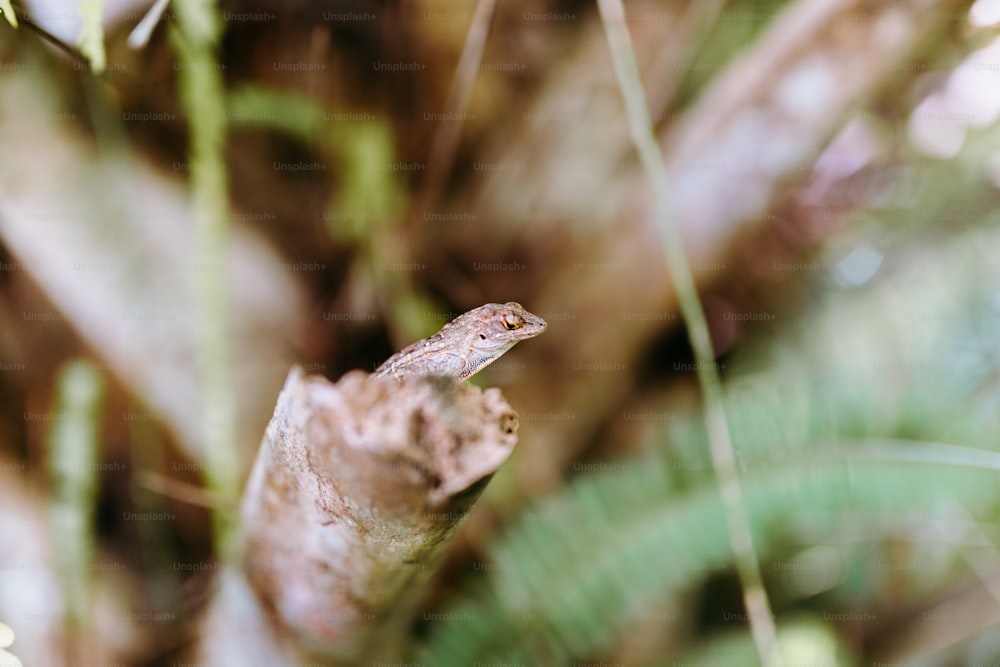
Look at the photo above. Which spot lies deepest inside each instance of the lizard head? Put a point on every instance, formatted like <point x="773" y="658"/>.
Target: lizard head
<point x="497" y="327"/>
<point x="512" y="322"/>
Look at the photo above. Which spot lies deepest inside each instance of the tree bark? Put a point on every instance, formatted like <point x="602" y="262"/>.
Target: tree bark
<point x="356" y="490"/>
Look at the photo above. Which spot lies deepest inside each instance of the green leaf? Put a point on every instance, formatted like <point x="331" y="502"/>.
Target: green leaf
<point x="73" y="456"/>
<point x="369" y="192"/>
<point x="8" y="12"/>
<point x="92" y="34"/>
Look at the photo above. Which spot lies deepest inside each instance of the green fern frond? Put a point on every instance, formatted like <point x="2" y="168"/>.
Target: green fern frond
<point x="836" y="433"/>
<point x="569" y="580"/>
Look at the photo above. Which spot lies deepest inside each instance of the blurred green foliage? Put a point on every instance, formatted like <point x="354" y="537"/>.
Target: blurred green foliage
<point x="369" y="196"/>
<point x="868" y="419"/>
<point x="73" y="455"/>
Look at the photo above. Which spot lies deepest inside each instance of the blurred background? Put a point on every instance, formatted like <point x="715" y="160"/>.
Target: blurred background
<point x="193" y="200"/>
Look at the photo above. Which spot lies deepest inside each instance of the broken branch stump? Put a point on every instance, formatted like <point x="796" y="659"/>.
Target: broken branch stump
<point x="355" y="492"/>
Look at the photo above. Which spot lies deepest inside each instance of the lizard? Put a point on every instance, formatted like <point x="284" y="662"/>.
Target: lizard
<point x="467" y="344"/>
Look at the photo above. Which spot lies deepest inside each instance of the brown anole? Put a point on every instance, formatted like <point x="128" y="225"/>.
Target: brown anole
<point x="467" y="344"/>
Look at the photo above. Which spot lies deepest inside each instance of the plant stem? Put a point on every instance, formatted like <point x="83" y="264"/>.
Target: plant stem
<point x="720" y="442"/>
<point x="202" y="96"/>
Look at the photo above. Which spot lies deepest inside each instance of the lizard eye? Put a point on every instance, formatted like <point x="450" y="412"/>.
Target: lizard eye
<point x="511" y="325"/>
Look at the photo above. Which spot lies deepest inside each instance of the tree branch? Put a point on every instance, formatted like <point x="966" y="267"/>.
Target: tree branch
<point x="356" y="489"/>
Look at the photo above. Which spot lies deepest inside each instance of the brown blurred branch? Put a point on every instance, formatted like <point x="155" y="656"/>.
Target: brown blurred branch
<point x="110" y="247"/>
<point x="582" y="221"/>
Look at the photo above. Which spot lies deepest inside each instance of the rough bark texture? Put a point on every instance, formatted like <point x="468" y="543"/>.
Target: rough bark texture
<point x="356" y="488"/>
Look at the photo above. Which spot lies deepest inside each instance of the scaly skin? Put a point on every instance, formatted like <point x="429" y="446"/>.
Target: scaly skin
<point x="467" y="344"/>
